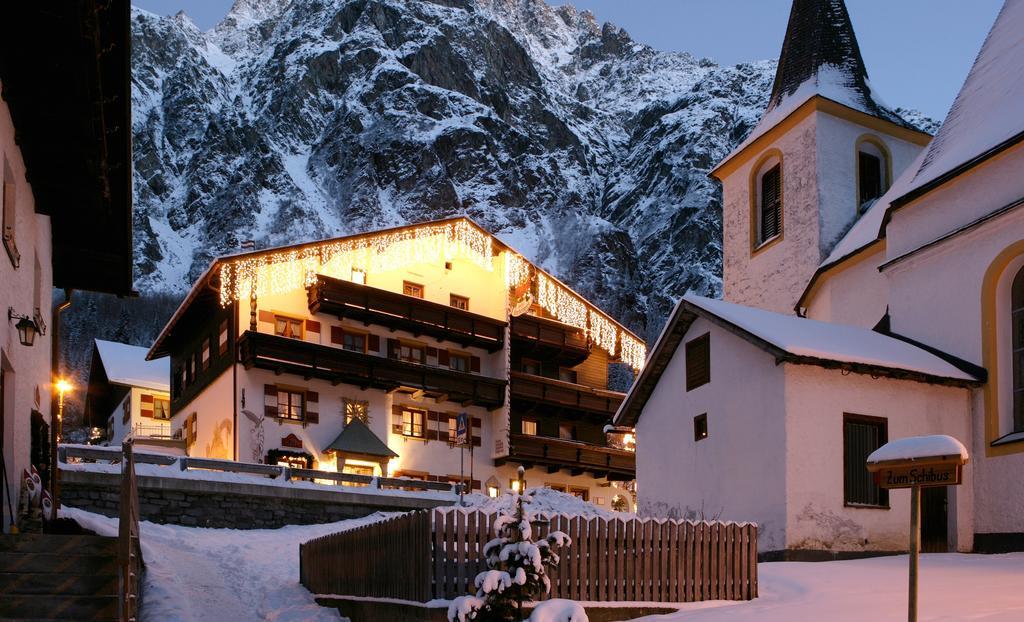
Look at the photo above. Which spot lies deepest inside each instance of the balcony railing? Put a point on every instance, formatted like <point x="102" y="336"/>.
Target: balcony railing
<point x="559" y="394"/>
<point x="616" y="464"/>
<point x="154" y="430"/>
<point x="310" y="360"/>
<point x="548" y="339"/>
<point x="420" y="317"/>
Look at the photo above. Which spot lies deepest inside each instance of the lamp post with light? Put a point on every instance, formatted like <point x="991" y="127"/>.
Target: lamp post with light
<point x="62" y="386"/>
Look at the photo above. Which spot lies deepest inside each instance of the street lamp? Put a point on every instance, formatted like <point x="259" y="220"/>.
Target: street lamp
<point x="63" y="386"/>
<point x="27" y="328"/>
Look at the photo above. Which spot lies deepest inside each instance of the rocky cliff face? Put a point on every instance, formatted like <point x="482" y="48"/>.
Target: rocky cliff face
<point x="302" y="119"/>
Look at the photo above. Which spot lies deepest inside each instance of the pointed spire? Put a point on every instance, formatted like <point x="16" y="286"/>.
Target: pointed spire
<point x="820" y="50"/>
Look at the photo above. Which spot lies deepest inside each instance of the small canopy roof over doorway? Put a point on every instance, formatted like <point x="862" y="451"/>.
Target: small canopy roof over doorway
<point x="358" y="442"/>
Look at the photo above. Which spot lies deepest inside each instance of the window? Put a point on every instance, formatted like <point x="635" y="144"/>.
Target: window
<point x="453" y="429"/>
<point x="412" y="289"/>
<point x="412" y="353"/>
<point x="567" y="375"/>
<point x="861" y="436"/>
<point x="359" y="276"/>
<point x="700" y="427"/>
<point x="872" y="170"/>
<point x="10" y="215"/>
<point x="566" y="431"/>
<point x="413" y="422"/>
<point x="356" y="409"/>
<point x="1017" y="311"/>
<point x="206" y="354"/>
<point x="459" y="302"/>
<point x="530" y="366"/>
<point x="529" y="428"/>
<point x="769" y="221"/>
<point x="161" y="408"/>
<point x="458" y="362"/>
<point x="290" y="404"/>
<point x="355" y="342"/>
<point x="558" y="487"/>
<point x="222" y="338"/>
<point x="581" y="493"/>
<point x="698" y="361"/>
<point x="288" y="327"/>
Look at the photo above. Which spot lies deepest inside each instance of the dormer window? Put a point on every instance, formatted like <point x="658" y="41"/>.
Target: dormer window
<point x="767" y="223"/>
<point x="872" y="173"/>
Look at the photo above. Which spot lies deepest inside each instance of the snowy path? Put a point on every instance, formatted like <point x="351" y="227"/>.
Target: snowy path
<point x="953" y="587"/>
<point x="224" y="575"/>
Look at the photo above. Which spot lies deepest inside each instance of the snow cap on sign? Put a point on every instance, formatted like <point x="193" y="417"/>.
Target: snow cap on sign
<point x="917" y="447"/>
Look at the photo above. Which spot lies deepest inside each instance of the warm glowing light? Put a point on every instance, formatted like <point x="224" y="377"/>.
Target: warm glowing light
<point x="515" y="485"/>
<point x="492" y="491"/>
<point x="63" y="386"/>
<point x="632" y="351"/>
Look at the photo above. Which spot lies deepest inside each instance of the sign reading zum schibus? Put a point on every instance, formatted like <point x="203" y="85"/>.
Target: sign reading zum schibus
<point x="923" y="475"/>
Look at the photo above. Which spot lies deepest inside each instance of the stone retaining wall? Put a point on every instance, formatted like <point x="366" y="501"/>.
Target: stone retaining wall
<point x="205" y="503"/>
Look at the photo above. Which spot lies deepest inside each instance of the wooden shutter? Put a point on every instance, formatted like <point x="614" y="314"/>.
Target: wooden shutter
<point x="267" y="316"/>
<point x="698" y="361"/>
<point x="474" y="364"/>
<point x="312" y="407"/>
<point x="396" y="418"/>
<point x="269" y="400"/>
<point x="146" y="405"/>
<point x="393" y="348"/>
<point x="373" y="343"/>
<point x="771" y="203"/>
<point x="337" y="335"/>
<point x="442" y="358"/>
<point x="312" y="326"/>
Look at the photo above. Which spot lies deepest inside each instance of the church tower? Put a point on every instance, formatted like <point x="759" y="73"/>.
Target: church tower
<point x="825" y="149"/>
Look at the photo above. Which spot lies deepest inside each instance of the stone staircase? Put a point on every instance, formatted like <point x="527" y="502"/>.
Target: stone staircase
<point x="58" y="577"/>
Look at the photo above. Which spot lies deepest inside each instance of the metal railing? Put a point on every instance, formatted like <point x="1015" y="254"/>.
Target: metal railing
<point x="129" y="549"/>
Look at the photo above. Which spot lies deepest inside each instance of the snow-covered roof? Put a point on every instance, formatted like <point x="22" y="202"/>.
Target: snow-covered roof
<point x="127" y="365"/>
<point x="827" y="341"/>
<point x="820" y="57"/>
<point x="988" y="110"/>
<point x="917" y="447"/>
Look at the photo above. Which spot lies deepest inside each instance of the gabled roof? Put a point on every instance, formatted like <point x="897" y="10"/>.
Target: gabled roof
<point x="987" y="115"/>
<point x="127" y="365"/>
<point x="820" y="58"/>
<point x="357" y="438"/>
<point x="793" y="339"/>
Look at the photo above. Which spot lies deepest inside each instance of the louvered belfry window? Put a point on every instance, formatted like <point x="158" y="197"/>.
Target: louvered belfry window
<point x="1017" y="316"/>
<point x="771" y="204"/>
<point x="861" y="436"/>
<point x="869" y="167"/>
<point x="698" y="361"/>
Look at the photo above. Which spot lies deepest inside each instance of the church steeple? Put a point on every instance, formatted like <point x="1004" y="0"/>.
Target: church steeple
<point x="820" y="56"/>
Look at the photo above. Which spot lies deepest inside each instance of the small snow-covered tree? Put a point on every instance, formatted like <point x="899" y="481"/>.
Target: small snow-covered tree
<point x="517" y="570"/>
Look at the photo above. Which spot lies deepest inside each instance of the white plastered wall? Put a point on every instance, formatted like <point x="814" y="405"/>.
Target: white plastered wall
<point x="151" y="426"/>
<point x="816" y="400"/>
<point x="738" y="472"/>
<point x="26" y="369"/>
<point x="855" y="293"/>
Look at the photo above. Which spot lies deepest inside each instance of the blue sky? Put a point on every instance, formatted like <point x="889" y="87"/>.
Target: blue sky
<point x="917" y="51"/>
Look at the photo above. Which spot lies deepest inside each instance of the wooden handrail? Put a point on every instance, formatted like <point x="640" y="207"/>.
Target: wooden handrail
<point x="129" y="549"/>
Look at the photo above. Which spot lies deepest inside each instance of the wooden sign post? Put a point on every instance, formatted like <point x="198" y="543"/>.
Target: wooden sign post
<point x="917" y="462"/>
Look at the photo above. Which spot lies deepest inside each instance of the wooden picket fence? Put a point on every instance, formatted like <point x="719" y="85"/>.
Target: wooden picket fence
<point x="438" y="553"/>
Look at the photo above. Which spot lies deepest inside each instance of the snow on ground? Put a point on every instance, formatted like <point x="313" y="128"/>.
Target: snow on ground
<point x="226" y="575"/>
<point x="953" y="587"/>
<point x="543" y="500"/>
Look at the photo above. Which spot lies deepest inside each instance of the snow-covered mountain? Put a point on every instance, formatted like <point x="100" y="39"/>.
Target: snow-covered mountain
<point x="301" y="119"/>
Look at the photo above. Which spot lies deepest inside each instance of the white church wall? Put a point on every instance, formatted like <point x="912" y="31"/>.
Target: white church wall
<point x="855" y="294"/>
<point x="738" y="472"/>
<point x="815" y="401"/>
<point x="773" y="276"/>
<point x="837" y="144"/>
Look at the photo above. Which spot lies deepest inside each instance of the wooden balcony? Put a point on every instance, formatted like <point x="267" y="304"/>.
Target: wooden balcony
<point x="555" y="453"/>
<point x="558" y="395"/>
<point x="311" y="360"/>
<point x="542" y="338"/>
<point x="420" y="317"/>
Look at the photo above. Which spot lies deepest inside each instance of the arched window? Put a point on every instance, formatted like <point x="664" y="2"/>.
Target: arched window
<point x="1017" y="317"/>
<point x="767" y="192"/>
<point x="872" y="172"/>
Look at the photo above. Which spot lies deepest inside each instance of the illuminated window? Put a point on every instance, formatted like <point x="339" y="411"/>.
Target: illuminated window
<point x="529" y="427"/>
<point x="290" y="404"/>
<point x="413" y="422"/>
<point x="358" y="276"/>
<point x="287" y="327"/>
<point x="492" y="491"/>
<point x="412" y="289"/>
<point x="700" y="427"/>
<point x="459" y="302"/>
<point x="356" y="409"/>
<point x="161" y="409"/>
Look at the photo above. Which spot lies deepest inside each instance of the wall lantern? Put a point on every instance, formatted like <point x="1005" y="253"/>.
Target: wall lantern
<point x="27" y="327"/>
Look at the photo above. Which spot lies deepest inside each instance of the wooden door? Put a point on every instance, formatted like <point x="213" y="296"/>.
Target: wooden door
<point x="934" y="520"/>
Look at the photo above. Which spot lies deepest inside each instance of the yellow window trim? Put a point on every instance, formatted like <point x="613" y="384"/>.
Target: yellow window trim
<point x="756" y="247"/>
<point x="990" y="351"/>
